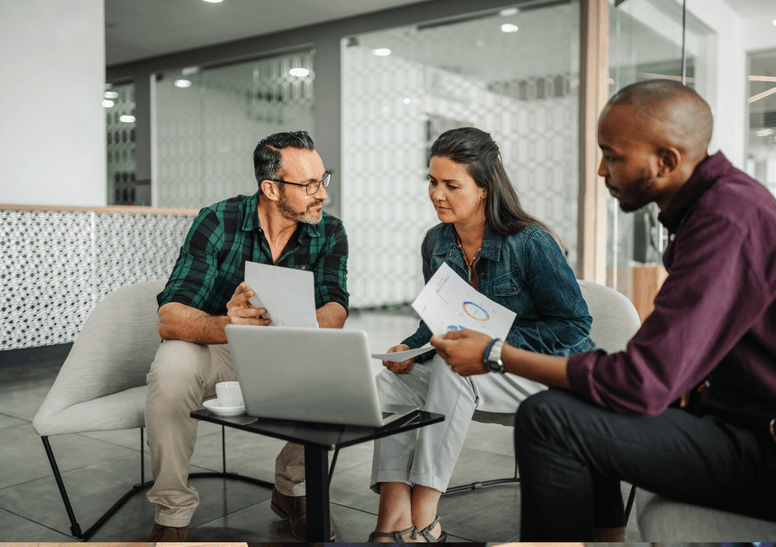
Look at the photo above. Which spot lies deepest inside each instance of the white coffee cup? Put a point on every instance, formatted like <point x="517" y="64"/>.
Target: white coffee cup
<point x="229" y="394"/>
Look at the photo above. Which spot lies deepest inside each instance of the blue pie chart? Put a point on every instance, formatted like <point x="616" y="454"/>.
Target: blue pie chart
<point x="475" y="311"/>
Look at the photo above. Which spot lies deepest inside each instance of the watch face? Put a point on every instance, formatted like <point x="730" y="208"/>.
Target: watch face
<point x="494" y="366"/>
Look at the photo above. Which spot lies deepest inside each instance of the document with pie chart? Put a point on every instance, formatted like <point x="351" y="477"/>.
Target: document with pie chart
<point x="447" y="303"/>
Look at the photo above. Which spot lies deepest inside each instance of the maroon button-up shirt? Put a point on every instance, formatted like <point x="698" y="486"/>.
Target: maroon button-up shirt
<point x="716" y="311"/>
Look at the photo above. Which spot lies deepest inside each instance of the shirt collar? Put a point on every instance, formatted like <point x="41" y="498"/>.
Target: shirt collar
<point x="706" y="173"/>
<point x="250" y="215"/>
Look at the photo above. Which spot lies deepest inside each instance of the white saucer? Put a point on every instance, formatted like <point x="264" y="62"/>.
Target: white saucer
<point x="213" y="406"/>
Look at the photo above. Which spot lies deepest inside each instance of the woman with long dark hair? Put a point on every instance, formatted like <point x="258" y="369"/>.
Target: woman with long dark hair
<point x="488" y="239"/>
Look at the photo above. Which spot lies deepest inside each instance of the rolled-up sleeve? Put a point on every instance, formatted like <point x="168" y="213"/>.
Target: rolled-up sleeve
<point x="192" y="278"/>
<point x="331" y="268"/>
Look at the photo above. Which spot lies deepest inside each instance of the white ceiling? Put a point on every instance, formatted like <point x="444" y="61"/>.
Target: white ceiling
<point x="139" y="29"/>
<point x="753" y="8"/>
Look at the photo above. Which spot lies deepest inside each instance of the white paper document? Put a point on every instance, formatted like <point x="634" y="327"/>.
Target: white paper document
<point x="447" y="303"/>
<point x="288" y="294"/>
<point x="400" y="356"/>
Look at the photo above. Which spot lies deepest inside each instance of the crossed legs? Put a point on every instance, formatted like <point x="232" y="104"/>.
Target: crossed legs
<point x="183" y="374"/>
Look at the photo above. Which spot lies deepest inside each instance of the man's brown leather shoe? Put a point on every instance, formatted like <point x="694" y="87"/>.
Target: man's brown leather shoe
<point x="294" y="510"/>
<point x="168" y="534"/>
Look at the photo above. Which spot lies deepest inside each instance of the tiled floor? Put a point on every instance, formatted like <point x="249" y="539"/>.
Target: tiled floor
<point x="99" y="467"/>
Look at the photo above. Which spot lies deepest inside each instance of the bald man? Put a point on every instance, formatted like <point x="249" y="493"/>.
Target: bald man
<point x="689" y="409"/>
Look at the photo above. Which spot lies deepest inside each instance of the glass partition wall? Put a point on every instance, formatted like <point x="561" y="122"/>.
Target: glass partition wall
<point x="646" y="38"/>
<point x="208" y="121"/>
<point x="761" y="134"/>
<point x="513" y="74"/>
<point x="123" y="188"/>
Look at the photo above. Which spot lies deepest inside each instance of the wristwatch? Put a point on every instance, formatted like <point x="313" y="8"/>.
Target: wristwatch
<point x="492" y="361"/>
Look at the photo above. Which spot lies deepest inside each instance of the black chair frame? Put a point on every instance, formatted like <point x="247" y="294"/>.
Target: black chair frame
<point x="75" y="528"/>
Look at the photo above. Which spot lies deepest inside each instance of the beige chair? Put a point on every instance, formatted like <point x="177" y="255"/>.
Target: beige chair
<point x="615" y="321"/>
<point x="665" y="520"/>
<point x="102" y="383"/>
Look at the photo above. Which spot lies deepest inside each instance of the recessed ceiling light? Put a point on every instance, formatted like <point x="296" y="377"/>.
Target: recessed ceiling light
<point x="299" y="72"/>
<point x="508" y="27"/>
<point x="508" y="11"/>
<point x="111" y="95"/>
<point x="107" y="104"/>
<point x="381" y="52"/>
<point x="126" y="118"/>
<point x="774" y="21"/>
<point x="182" y="83"/>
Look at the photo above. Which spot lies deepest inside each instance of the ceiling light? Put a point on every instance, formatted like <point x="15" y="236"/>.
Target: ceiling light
<point x="774" y="21"/>
<point x="381" y="52"/>
<point x="214" y="1"/>
<point x="299" y="72"/>
<point x="111" y="95"/>
<point x="107" y="104"/>
<point x="508" y="27"/>
<point x="406" y="100"/>
<point x="182" y="83"/>
<point x="508" y="11"/>
<point x="764" y="132"/>
<point x="126" y="118"/>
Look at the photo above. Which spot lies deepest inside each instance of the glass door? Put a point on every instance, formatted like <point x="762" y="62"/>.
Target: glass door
<point x="646" y="42"/>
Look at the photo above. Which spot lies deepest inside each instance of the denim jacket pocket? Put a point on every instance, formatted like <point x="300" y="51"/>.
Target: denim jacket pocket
<point x="511" y="293"/>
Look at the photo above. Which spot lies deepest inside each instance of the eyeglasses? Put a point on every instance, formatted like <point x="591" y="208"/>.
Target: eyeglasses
<point x="311" y="187"/>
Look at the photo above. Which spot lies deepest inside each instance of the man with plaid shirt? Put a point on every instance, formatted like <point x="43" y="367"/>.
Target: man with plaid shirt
<point x="282" y="224"/>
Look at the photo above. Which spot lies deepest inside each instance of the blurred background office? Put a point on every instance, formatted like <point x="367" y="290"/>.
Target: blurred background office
<point x="121" y="119"/>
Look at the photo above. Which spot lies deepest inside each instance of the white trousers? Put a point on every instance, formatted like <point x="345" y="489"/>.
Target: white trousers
<point x="182" y="374"/>
<point x="427" y="455"/>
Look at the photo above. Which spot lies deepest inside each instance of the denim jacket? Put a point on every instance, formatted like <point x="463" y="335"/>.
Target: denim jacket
<point x="525" y="272"/>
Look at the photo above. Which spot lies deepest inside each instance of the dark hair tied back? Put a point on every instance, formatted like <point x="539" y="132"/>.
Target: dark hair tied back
<point x="476" y="150"/>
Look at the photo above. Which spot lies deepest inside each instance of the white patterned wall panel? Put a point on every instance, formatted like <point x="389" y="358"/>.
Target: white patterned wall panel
<point x="56" y="266"/>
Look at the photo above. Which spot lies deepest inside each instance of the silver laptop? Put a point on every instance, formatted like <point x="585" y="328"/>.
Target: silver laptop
<point x="312" y="375"/>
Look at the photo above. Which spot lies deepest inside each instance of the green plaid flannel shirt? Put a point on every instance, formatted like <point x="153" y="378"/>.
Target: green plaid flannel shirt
<point x="223" y="236"/>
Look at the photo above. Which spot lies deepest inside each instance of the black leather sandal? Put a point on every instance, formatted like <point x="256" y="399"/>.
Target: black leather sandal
<point x="426" y="533"/>
<point x="398" y="537"/>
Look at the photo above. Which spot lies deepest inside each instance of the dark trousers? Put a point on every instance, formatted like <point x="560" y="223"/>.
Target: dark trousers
<point x="573" y="454"/>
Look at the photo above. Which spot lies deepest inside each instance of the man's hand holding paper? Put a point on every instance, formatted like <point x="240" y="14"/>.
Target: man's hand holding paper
<point x="287" y="294"/>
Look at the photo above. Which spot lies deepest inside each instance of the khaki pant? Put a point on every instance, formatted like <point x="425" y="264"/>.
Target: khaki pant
<point x="183" y="374"/>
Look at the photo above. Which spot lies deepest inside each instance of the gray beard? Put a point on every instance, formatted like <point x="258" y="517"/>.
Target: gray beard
<point x="300" y="216"/>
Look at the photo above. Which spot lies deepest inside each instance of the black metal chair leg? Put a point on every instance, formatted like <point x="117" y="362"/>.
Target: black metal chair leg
<point x="75" y="529"/>
<point x="628" y="507"/>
